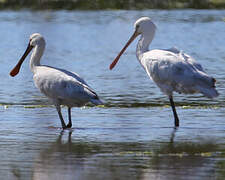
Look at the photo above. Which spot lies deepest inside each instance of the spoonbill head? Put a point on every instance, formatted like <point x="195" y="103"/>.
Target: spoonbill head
<point x="36" y="39"/>
<point x="143" y="26"/>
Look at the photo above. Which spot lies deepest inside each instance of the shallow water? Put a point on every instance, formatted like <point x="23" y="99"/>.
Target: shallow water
<point x="132" y="136"/>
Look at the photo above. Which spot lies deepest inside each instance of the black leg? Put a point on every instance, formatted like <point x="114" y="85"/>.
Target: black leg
<point x="176" y="119"/>
<point x="69" y="125"/>
<point x="173" y="135"/>
<point x="58" y="108"/>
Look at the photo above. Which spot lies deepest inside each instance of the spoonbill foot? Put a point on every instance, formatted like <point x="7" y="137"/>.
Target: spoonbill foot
<point x="69" y="125"/>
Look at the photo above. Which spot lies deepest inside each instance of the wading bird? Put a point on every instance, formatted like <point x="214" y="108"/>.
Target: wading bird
<point x="60" y="86"/>
<point x="171" y="69"/>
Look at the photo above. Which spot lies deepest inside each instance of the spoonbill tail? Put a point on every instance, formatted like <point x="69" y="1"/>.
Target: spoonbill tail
<point x="171" y="69"/>
<point x="60" y="86"/>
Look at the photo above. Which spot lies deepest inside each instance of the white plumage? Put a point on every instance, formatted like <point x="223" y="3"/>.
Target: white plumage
<point x="171" y="69"/>
<point x="60" y="86"/>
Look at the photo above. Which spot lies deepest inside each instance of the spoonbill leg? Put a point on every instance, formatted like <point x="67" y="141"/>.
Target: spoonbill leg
<point x="69" y="125"/>
<point x="58" y="108"/>
<point x="176" y="119"/>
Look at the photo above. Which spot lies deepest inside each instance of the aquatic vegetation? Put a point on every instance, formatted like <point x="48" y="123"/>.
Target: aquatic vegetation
<point x="111" y="4"/>
<point x="188" y="148"/>
<point x="35" y="106"/>
<point x="100" y="106"/>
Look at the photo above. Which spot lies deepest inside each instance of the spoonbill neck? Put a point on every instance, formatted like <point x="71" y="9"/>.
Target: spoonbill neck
<point x="143" y="44"/>
<point x="36" y="56"/>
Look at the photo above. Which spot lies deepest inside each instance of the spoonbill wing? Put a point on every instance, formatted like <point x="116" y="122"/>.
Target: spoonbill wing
<point x="178" y="72"/>
<point x="63" y="86"/>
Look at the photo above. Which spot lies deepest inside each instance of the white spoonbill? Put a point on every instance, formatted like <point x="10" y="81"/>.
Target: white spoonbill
<point x="60" y="86"/>
<point x="171" y="69"/>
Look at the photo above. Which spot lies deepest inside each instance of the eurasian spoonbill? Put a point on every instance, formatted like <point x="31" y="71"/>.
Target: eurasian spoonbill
<point x="60" y="86"/>
<point x="171" y="69"/>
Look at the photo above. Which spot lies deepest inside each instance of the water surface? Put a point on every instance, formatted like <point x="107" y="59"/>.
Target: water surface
<point x="132" y="136"/>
